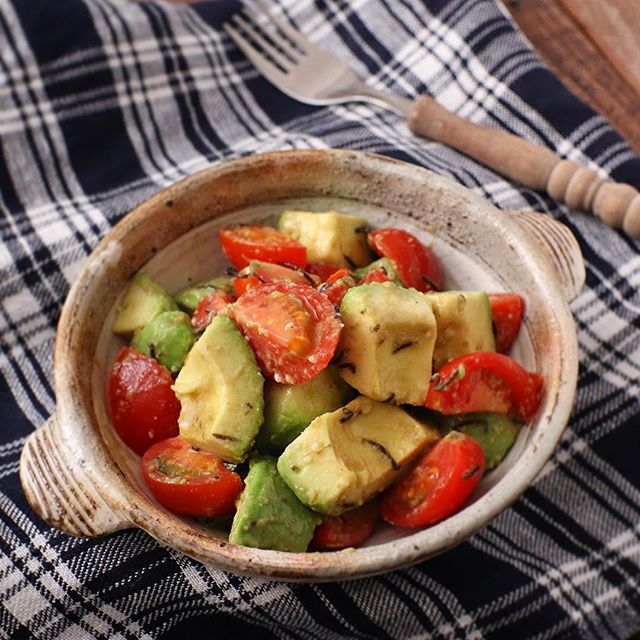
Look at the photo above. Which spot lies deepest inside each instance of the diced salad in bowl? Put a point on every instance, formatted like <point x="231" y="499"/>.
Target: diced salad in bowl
<point x="325" y="383"/>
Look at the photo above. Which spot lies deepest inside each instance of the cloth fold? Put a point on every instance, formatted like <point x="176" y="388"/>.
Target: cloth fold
<point x="102" y="103"/>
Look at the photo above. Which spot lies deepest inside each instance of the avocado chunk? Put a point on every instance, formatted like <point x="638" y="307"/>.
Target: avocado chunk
<point x="464" y="322"/>
<point x="220" y="389"/>
<point x="386" y="345"/>
<point x="167" y="337"/>
<point x="344" y="458"/>
<point x="331" y="237"/>
<point x="289" y="409"/>
<point x="269" y="516"/>
<point x="494" y="432"/>
<point x="188" y="299"/>
<point x="142" y="300"/>
<point x="386" y="265"/>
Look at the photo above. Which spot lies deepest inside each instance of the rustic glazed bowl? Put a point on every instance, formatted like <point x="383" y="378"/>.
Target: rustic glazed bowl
<point x="81" y="478"/>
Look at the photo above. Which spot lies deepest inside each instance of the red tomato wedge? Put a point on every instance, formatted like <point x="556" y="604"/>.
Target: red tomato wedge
<point x="438" y="485"/>
<point x="416" y="264"/>
<point x="507" y="310"/>
<point x="375" y="275"/>
<point x="292" y="328"/>
<point x="212" y="305"/>
<point x="144" y="409"/>
<point x="262" y="272"/>
<point x="194" y="483"/>
<point x="248" y="242"/>
<point x="337" y="284"/>
<point x="485" y="381"/>
<point x="321" y="269"/>
<point x="350" y="529"/>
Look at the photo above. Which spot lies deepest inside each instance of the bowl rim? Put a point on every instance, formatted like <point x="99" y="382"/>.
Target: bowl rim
<point x="122" y="496"/>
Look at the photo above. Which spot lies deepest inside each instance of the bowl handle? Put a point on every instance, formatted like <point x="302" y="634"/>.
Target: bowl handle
<point x="558" y="245"/>
<point x="62" y="490"/>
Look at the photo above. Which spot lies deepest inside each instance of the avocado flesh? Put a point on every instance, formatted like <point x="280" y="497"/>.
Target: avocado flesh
<point x="167" y="337"/>
<point x="289" y="409"/>
<point x="384" y="264"/>
<point x="220" y="389"/>
<point x="344" y="458"/>
<point x="494" y="432"/>
<point x="269" y="516"/>
<point x="334" y="238"/>
<point x="465" y="324"/>
<point x="143" y="299"/>
<point x="386" y="345"/>
<point x="189" y="298"/>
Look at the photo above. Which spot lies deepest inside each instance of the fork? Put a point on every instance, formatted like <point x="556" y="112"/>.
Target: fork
<point x="312" y="75"/>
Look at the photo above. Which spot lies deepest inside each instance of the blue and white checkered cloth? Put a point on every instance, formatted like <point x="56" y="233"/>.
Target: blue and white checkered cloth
<point x="102" y="103"/>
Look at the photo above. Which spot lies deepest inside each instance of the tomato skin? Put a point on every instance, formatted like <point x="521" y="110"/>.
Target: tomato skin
<point x="507" y="310"/>
<point x="321" y="269"/>
<point x="375" y="275"/>
<point x="244" y="243"/>
<point x="292" y="328"/>
<point x="438" y="485"/>
<point x="350" y="529"/>
<point x="262" y="272"/>
<point x="144" y="408"/>
<point x="212" y="305"/>
<point x="190" y="482"/>
<point x="337" y="284"/>
<point x="485" y="381"/>
<point x="416" y="264"/>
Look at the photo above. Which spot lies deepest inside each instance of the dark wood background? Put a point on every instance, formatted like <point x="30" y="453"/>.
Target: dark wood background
<point x="593" y="46"/>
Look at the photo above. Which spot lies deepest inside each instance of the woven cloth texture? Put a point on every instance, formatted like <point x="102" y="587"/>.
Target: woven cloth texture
<point x="104" y="102"/>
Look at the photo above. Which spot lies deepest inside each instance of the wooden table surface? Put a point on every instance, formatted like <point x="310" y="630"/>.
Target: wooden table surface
<point x="593" y="46"/>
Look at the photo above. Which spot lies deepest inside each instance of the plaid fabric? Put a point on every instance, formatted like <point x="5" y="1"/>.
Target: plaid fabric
<point x="102" y="103"/>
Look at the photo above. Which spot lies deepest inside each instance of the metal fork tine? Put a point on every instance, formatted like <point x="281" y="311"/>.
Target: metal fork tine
<point x="293" y="34"/>
<point x="266" y="67"/>
<point x="277" y="56"/>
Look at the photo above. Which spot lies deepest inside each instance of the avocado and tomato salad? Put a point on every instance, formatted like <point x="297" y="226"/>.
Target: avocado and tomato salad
<point x="328" y="383"/>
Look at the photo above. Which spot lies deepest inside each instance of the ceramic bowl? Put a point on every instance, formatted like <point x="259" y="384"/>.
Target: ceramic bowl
<point x="78" y="475"/>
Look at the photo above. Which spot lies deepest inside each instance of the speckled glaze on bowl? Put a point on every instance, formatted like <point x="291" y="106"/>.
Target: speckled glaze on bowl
<point x="79" y="477"/>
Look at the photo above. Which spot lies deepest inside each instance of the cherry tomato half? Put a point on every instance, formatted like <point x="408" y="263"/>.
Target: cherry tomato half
<point x="416" y="264"/>
<point x="438" y="485"/>
<point x="194" y="483"/>
<point x="485" y="381"/>
<point x="337" y="284"/>
<point x="213" y="304"/>
<point x="262" y="272"/>
<point x="350" y="529"/>
<point x="507" y="310"/>
<point x="292" y="328"/>
<point x="375" y="275"/>
<point x="144" y="409"/>
<point x="248" y="242"/>
<point x="321" y="269"/>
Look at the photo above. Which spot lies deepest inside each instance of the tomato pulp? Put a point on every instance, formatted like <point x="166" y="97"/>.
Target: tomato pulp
<point x="350" y="529"/>
<point x="292" y="328"/>
<point x="416" y="264"/>
<point x="438" y="485"/>
<point x="244" y="243"/>
<point x="485" y="381"/>
<point x="194" y="483"/>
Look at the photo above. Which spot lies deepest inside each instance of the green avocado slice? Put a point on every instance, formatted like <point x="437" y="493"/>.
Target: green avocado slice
<point x="289" y="409"/>
<point x="167" y="337"/>
<point x="143" y="299"/>
<point x="269" y="516"/>
<point x="494" y="432"/>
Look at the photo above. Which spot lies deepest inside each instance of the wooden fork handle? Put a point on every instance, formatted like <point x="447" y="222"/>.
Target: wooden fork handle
<point x="530" y="164"/>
